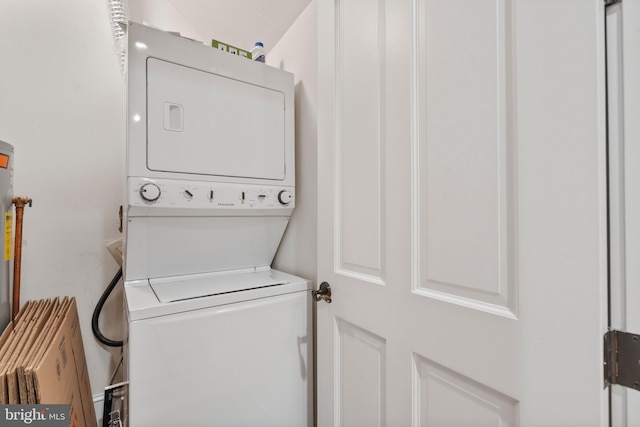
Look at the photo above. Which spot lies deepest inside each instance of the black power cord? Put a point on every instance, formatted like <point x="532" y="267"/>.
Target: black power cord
<point x="95" y="327"/>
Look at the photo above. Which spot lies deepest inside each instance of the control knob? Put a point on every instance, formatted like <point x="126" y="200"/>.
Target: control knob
<point x="284" y="197"/>
<point x="150" y="192"/>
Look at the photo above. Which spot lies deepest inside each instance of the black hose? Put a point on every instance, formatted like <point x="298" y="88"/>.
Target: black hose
<point x="95" y="327"/>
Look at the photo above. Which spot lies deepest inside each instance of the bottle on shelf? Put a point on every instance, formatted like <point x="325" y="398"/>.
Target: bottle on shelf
<point x="257" y="53"/>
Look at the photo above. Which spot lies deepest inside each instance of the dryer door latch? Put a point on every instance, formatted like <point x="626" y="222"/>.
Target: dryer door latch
<point x="324" y="293"/>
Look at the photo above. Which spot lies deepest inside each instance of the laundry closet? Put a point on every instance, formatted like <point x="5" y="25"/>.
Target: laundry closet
<point x="472" y="203"/>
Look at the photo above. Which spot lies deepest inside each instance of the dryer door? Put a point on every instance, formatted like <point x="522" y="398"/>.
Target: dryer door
<point x="206" y="124"/>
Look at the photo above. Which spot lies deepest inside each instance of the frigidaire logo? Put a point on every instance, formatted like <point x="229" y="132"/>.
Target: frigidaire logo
<point x="40" y="415"/>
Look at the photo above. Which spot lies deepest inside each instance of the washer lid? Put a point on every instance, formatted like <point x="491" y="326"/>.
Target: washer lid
<point x="170" y="289"/>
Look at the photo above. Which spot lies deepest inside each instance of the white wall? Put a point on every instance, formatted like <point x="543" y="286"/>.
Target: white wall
<point x="296" y="52"/>
<point x="61" y="106"/>
<point x="162" y="15"/>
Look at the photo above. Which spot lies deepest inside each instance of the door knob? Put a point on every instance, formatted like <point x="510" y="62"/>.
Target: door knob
<point x="324" y="293"/>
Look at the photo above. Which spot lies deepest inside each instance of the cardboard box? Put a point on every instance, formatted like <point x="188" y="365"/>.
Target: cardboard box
<point x="42" y="360"/>
<point x="226" y="47"/>
<point x="27" y="391"/>
<point x="45" y="341"/>
<point x="10" y="346"/>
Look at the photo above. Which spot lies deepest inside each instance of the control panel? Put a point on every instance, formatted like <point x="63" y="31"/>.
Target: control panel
<point x="163" y="193"/>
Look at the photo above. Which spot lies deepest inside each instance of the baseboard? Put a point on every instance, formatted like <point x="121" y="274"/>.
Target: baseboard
<point x="98" y="404"/>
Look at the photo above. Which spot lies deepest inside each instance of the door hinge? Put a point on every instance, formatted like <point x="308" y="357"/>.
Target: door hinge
<point x="611" y="2"/>
<point x="622" y="359"/>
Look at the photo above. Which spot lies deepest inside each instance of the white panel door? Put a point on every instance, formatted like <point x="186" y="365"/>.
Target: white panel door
<point x="623" y="69"/>
<point x="462" y="223"/>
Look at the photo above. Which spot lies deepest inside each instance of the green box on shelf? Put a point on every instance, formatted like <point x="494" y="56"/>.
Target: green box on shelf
<point x="226" y="47"/>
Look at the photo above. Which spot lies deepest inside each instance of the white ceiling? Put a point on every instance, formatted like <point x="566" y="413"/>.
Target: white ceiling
<point x="238" y="22"/>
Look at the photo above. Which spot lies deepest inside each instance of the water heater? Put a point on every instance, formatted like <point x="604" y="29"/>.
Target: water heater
<point x="6" y="195"/>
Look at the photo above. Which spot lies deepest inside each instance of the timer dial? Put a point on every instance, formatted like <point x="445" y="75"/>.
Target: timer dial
<point x="150" y="192"/>
<point x="284" y="197"/>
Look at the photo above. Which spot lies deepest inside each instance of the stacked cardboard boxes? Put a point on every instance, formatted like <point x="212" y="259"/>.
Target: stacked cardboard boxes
<point x="42" y="360"/>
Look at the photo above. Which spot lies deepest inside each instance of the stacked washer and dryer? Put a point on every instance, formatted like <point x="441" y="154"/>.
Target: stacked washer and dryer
<point x="215" y="337"/>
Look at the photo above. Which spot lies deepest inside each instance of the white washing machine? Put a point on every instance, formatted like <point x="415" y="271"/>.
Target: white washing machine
<point x="215" y="337"/>
<point x="220" y="350"/>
